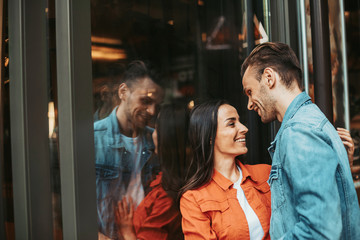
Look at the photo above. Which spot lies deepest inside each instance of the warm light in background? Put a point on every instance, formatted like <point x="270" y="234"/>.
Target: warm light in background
<point x="203" y="37"/>
<point x="106" y="49"/>
<point x="51" y="115"/>
<point x="107" y="53"/>
<point x="102" y="40"/>
<point x="191" y="104"/>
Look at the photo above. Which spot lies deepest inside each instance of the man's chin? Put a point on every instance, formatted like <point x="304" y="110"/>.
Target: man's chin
<point x="265" y="120"/>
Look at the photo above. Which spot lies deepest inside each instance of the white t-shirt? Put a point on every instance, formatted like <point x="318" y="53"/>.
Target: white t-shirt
<point x="135" y="189"/>
<point x="255" y="229"/>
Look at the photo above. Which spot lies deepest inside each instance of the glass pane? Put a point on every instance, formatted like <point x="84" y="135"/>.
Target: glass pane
<point x="196" y="47"/>
<point x="7" y="211"/>
<point x="352" y="21"/>
<point x="53" y="122"/>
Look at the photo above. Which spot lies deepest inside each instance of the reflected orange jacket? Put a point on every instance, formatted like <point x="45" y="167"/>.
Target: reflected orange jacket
<point x="213" y="211"/>
<point x="157" y="216"/>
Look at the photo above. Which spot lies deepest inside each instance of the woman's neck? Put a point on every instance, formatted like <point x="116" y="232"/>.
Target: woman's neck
<point x="227" y="167"/>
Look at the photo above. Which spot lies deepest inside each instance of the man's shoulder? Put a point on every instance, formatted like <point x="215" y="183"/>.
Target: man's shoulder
<point x="308" y="116"/>
<point x="101" y="125"/>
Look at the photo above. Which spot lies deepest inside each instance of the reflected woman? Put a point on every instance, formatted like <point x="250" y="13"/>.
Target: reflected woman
<point x="158" y="215"/>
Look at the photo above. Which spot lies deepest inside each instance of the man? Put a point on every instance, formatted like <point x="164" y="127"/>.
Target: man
<point x="123" y="145"/>
<point x="312" y="190"/>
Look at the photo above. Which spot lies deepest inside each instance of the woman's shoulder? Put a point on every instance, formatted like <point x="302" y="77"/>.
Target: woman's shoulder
<point x="208" y="192"/>
<point x="259" y="172"/>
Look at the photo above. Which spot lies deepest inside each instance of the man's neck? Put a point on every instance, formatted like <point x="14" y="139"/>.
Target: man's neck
<point x="284" y="99"/>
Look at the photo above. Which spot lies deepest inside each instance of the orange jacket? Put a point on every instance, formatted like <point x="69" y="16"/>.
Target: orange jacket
<point x="157" y="216"/>
<point x="213" y="211"/>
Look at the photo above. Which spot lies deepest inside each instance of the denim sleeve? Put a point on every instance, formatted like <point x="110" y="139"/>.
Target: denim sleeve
<point x="309" y="164"/>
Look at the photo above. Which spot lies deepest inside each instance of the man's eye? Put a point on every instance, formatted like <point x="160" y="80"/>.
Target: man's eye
<point x="231" y="124"/>
<point x="249" y="92"/>
<point x="146" y="101"/>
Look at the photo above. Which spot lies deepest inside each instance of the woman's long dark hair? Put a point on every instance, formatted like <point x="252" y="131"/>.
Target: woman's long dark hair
<point x="202" y="134"/>
<point x="173" y="147"/>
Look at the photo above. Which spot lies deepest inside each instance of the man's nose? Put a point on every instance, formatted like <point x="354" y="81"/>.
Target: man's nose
<point x="250" y="105"/>
<point x="151" y="109"/>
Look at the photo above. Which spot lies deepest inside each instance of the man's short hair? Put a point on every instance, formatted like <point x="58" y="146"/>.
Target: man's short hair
<point x="138" y="70"/>
<point x="278" y="56"/>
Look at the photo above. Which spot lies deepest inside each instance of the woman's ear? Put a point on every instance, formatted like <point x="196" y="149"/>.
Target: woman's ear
<point x="123" y="88"/>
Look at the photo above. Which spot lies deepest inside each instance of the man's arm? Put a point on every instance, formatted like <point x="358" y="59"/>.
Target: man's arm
<point x="310" y="165"/>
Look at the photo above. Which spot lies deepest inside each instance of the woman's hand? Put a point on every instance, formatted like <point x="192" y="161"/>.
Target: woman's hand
<point x="348" y="143"/>
<point x="124" y="218"/>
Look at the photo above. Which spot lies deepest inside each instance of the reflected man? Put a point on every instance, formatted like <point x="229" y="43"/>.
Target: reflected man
<point x="123" y="145"/>
<point x="312" y="190"/>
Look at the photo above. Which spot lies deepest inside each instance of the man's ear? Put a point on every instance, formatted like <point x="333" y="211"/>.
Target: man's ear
<point x="123" y="89"/>
<point x="270" y="77"/>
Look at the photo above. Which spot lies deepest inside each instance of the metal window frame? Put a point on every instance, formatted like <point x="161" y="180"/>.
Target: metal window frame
<point x="76" y="135"/>
<point x="29" y="121"/>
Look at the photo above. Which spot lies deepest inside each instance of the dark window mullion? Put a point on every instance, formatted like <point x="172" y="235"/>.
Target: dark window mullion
<point x="74" y="76"/>
<point x="29" y="121"/>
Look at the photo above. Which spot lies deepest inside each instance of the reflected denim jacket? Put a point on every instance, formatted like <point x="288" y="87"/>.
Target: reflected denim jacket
<point x="312" y="190"/>
<point x="114" y="167"/>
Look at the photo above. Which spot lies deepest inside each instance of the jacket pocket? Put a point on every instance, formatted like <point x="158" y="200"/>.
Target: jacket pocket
<point x="277" y="194"/>
<point x="264" y="193"/>
<point x="106" y="172"/>
<point x="219" y="214"/>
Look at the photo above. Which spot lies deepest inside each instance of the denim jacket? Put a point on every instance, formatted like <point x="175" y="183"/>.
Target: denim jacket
<point x="114" y="167"/>
<point x="312" y="190"/>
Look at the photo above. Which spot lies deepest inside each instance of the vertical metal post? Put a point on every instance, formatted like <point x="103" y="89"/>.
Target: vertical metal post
<point x="345" y="68"/>
<point x="77" y="167"/>
<point x="29" y="121"/>
<point x="321" y="55"/>
<point x="253" y="120"/>
<point x="303" y="43"/>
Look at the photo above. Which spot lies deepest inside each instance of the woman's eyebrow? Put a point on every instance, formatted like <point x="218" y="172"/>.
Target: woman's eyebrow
<point x="230" y="119"/>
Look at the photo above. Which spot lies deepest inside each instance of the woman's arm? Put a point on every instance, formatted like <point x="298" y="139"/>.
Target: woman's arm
<point x="348" y="143"/>
<point x="124" y="219"/>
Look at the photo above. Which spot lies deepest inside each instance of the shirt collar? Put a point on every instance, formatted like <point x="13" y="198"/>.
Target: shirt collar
<point x="225" y="183"/>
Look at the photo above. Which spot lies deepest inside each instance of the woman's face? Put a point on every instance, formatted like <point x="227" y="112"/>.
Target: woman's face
<point x="154" y="137"/>
<point x="230" y="133"/>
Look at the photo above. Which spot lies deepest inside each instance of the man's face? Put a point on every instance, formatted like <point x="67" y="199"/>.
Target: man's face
<point x="142" y="101"/>
<point x="259" y="96"/>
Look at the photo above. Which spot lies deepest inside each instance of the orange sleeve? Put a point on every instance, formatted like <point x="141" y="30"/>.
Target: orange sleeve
<point x="162" y="218"/>
<point x="195" y="223"/>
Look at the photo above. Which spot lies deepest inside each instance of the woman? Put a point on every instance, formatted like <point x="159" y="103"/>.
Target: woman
<point x="158" y="215"/>
<point x="224" y="199"/>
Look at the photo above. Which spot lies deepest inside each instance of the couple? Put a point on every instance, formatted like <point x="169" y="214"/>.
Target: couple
<point x="312" y="191"/>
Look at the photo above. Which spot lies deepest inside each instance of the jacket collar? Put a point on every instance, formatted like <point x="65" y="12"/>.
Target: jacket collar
<point x="115" y="136"/>
<point x="299" y="100"/>
<point x="225" y="183"/>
